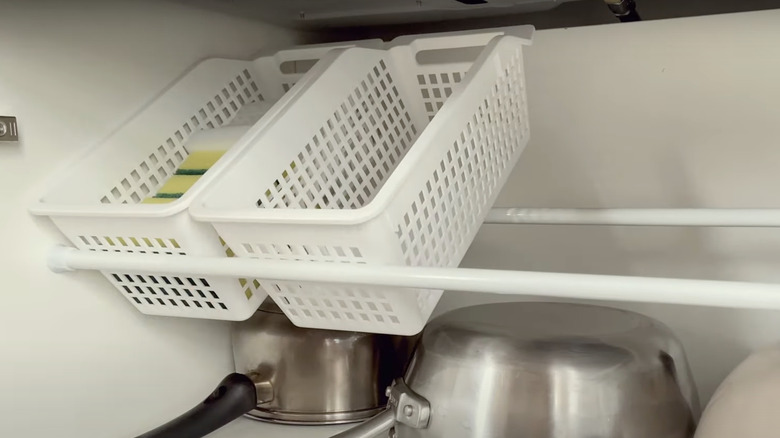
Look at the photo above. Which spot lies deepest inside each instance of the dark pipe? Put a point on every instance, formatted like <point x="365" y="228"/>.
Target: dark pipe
<point x="234" y="397"/>
<point x="629" y="17"/>
<point x="624" y="10"/>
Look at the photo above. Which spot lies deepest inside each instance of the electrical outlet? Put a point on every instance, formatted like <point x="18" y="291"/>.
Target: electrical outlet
<point x="9" y="130"/>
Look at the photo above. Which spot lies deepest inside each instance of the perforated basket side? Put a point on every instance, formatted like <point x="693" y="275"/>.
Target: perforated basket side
<point x="463" y="160"/>
<point x="170" y="294"/>
<point x="430" y="206"/>
<point x="353" y="151"/>
<point x="135" y="160"/>
<point x="163" y="160"/>
<point x="342" y="307"/>
<point x="96" y="203"/>
<point x="442" y="59"/>
<point x="445" y="190"/>
<point x="331" y="149"/>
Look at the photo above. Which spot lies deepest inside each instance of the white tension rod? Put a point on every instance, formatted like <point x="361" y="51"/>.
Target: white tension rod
<point x="681" y="217"/>
<point x="594" y="287"/>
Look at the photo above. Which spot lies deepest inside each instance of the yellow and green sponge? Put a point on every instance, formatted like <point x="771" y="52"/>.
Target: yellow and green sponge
<point x="177" y="186"/>
<point x="188" y="173"/>
<point x="198" y="162"/>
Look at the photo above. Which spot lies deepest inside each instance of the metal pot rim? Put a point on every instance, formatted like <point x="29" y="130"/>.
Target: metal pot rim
<point x="312" y="418"/>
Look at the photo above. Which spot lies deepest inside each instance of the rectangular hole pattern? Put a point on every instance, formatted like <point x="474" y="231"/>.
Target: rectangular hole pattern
<point x="345" y="164"/>
<point x="144" y="180"/>
<point x="250" y="286"/>
<point x="168" y="291"/>
<point x="439" y="224"/>
<point x="311" y="253"/>
<point x="436" y="88"/>
<point x="139" y="245"/>
<point x="347" y="305"/>
<point x="155" y="290"/>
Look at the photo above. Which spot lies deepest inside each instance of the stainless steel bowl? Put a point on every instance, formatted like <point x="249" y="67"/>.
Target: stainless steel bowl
<point x="543" y="370"/>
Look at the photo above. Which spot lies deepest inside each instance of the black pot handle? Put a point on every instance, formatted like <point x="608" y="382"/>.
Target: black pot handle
<point x="234" y="397"/>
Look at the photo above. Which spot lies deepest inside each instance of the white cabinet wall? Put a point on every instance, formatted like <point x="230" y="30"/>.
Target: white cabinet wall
<point x="671" y="113"/>
<point x="75" y="359"/>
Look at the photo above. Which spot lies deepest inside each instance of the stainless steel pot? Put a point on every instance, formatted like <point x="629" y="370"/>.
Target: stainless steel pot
<point x="306" y="376"/>
<point x="542" y="370"/>
<point x="292" y="375"/>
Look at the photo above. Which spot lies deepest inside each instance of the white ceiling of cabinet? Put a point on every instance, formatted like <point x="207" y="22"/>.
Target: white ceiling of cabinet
<point x="350" y="12"/>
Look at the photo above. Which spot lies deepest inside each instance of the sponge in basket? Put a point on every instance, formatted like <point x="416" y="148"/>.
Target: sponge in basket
<point x="198" y="162"/>
<point x="157" y="200"/>
<point x="177" y="186"/>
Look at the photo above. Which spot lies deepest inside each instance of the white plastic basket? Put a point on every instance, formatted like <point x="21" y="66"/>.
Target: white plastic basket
<point x="96" y="202"/>
<point x="358" y="170"/>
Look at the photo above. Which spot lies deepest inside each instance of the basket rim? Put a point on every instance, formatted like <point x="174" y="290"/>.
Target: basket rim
<point x="202" y="213"/>
<point x="524" y="31"/>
